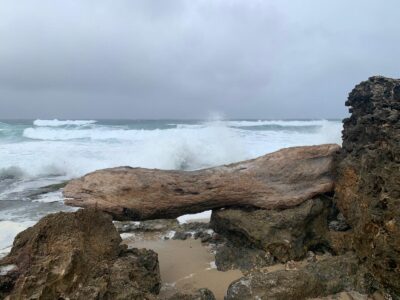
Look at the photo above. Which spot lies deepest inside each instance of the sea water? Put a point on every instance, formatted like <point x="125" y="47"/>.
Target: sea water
<point x="38" y="153"/>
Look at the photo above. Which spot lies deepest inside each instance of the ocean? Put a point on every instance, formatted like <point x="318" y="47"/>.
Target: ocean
<point x="38" y="153"/>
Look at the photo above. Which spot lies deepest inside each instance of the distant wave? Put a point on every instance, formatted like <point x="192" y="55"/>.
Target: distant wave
<point x="57" y="123"/>
<point x="276" y="123"/>
<point x="62" y="134"/>
<point x="257" y="123"/>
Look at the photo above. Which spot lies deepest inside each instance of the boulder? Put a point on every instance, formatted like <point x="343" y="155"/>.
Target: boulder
<point x="282" y="179"/>
<point x="286" y="234"/>
<point x="322" y="278"/>
<point x="368" y="179"/>
<point x="78" y="256"/>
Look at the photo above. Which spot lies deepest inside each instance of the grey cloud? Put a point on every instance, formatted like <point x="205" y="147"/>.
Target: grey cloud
<point x="185" y="59"/>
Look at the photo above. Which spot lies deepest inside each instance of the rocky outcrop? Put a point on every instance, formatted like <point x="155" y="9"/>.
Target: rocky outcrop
<point x="368" y="183"/>
<point x="77" y="256"/>
<point x="322" y="278"/>
<point x="284" y="234"/>
<point x="282" y="179"/>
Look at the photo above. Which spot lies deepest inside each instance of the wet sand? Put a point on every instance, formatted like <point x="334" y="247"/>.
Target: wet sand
<point x="187" y="266"/>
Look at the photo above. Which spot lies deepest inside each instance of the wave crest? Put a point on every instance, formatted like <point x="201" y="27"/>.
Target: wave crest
<point x="57" y="123"/>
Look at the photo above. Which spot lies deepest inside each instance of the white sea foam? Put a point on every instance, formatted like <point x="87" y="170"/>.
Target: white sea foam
<point x="7" y="268"/>
<point x="205" y="215"/>
<point x="9" y="230"/>
<point x="56" y="122"/>
<point x="4" y="251"/>
<point x="50" y="197"/>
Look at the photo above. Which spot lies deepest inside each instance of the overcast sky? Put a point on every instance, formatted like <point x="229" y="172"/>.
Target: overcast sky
<point x="190" y="58"/>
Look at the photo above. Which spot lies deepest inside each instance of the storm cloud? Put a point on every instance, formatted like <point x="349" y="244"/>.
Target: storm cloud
<point x="187" y="59"/>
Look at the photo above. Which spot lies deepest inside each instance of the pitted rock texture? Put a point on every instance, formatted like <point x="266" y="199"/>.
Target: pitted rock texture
<point x="78" y="256"/>
<point x="368" y="180"/>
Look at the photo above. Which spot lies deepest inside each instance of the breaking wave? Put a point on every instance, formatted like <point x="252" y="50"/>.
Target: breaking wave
<point x="57" y="123"/>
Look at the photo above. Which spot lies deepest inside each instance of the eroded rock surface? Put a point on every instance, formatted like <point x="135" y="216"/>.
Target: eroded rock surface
<point x="368" y="185"/>
<point x="282" y="179"/>
<point x="329" y="276"/>
<point x="285" y="234"/>
<point x="78" y="256"/>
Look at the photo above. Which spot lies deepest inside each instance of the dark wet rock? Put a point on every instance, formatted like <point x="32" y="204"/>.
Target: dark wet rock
<point x="198" y="235"/>
<point x="339" y="224"/>
<point x="195" y="226"/>
<point x="217" y="238"/>
<point x="368" y="180"/>
<point x="286" y="234"/>
<point x="7" y="282"/>
<point x="201" y="294"/>
<point x="205" y="237"/>
<point x="329" y="276"/>
<point x="229" y="257"/>
<point x="181" y="235"/>
<point x="159" y="225"/>
<point x="79" y="256"/>
<point x="47" y="189"/>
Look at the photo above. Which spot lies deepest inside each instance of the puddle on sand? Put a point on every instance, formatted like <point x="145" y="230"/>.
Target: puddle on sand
<point x="187" y="266"/>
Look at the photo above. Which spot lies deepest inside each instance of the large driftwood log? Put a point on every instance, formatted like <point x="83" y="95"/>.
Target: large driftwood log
<point x="281" y="179"/>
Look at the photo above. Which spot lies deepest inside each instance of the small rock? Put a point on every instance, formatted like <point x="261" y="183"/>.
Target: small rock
<point x="201" y="294"/>
<point x="179" y="235"/>
<point x="339" y="224"/>
<point x="217" y="237"/>
<point x="197" y="235"/>
<point x="291" y="265"/>
<point x="206" y="238"/>
<point x="311" y="257"/>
